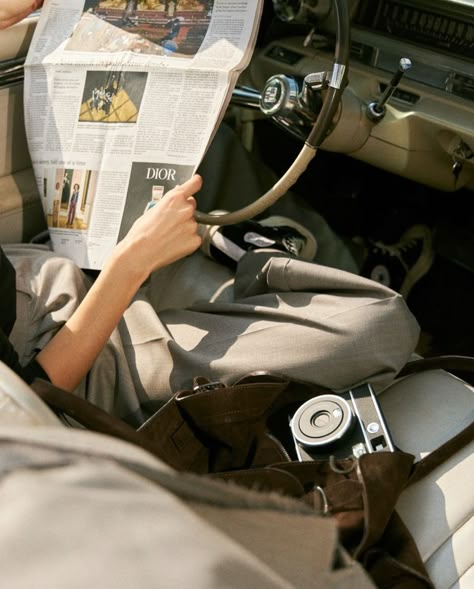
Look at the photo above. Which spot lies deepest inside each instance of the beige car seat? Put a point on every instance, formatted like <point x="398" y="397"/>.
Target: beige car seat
<point x="422" y="411"/>
<point x="21" y="212"/>
<point x="19" y="405"/>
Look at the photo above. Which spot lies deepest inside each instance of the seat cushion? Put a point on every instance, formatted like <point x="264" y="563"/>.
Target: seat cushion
<point x="19" y="405"/>
<point x="423" y="411"/>
<point x="21" y="213"/>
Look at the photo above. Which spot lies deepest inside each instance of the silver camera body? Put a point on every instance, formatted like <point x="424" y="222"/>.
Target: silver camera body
<point x="349" y="424"/>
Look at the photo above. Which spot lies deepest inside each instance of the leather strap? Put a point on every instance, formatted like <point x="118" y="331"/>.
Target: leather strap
<point x="427" y="464"/>
<point x="450" y="363"/>
<point x="88" y="415"/>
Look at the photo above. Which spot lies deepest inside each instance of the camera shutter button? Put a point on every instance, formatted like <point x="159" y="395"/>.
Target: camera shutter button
<point x="373" y="427"/>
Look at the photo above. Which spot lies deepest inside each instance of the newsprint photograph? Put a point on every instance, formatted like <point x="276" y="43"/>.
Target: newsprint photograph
<point x="68" y="197"/>
<point x="157" y="27"/>
<point x="112" y="96"/>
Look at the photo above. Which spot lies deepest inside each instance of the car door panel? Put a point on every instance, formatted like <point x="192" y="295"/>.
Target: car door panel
<point x="21" y="214"/>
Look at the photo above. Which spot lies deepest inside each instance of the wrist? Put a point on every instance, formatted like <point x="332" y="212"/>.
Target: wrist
<point x="125" y="265"/>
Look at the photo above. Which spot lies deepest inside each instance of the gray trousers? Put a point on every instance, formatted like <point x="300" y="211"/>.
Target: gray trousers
<point x="195" y="318"/>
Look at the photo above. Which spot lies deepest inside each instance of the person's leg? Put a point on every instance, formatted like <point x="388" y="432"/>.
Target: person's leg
<point x="297" y="318"/>
<point x="49" y="289"/>
<point x="234" y="178"/>
<point x="307" y="320"/>
<point x="301" y="319"/>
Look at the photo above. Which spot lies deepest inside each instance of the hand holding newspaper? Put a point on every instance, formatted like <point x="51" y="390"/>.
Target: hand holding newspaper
<point x="122" y="98"/>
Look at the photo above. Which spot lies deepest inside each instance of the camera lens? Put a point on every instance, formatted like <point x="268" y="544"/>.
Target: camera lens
<point x="322" y="420"/>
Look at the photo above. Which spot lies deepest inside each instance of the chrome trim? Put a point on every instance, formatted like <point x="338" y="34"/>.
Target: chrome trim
<point x="337" y="76"/>
<point x="324" y="500"/>
<point x="12" y="72"/>
<point x="385" y="431"/>
<point x="246" y="97"/>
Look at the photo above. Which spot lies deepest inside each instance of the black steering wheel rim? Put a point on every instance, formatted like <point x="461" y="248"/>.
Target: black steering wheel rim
<point x="338" y="79"/>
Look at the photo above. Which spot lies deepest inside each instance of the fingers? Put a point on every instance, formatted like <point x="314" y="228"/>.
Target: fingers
<point x="188" y="188"/>
<point x="193" y="185"/>
<point x="182" y="196"/>
<point x="168" y="231"/>
<point x="13" y="12"/>
<point x="192" y="201"/>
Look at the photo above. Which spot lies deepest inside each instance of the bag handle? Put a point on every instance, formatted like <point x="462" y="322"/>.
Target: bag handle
<point x="88" y="415"/>
<point x="438" y="456"/>
<point x="451" y="363"/>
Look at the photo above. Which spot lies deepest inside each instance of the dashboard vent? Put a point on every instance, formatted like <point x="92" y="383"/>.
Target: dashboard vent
<point x="461" y="85"/>
<point x="361" y="52"/>
<point x="437" y="26"/>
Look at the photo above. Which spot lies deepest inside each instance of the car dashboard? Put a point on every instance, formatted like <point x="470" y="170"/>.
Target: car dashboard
<point x="427" y="133"/>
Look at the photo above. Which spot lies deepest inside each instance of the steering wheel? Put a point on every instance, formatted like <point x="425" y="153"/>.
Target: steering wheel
<point x="332" y="99"/>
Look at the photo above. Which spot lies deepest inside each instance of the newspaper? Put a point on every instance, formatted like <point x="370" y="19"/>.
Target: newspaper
<point x="122" y="99"/>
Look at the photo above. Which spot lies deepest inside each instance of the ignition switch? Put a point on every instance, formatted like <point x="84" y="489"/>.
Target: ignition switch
<point x="461" y="153"/>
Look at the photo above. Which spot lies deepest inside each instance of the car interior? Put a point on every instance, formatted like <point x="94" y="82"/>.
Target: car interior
<point x="399" y="151"/>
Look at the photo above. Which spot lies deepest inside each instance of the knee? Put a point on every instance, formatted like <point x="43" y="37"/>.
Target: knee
<point x="401" y="324"/>
<point x="391" y="333"/>
<point x="63" y="272"/>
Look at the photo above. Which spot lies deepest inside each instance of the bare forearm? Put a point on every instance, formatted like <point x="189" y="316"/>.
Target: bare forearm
<point x="12" y="11"/>
<point x="164" y="234"/>
<point x="71" y="353"/>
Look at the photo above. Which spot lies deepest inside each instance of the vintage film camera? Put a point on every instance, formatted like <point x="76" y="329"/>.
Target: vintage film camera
<point x="349" y="424"/>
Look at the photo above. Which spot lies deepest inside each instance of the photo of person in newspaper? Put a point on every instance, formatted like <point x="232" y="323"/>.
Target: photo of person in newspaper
<point x="70" y="194"/>
<point x="71" y="213"/>
<point x="159" y="27"/>
<point x="112" y="96"/>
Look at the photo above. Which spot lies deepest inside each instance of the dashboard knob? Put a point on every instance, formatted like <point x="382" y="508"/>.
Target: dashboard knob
<point x="376" y="110"/>
<point x="279" y="95"/>
<point x="293" y="104"/>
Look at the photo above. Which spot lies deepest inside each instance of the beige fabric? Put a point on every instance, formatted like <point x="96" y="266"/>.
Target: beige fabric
<point x="21" y="215"/>
<point x="14" y="154"/>
<point x="86" y="511"/>
<point x="15" y="40"/>
<point x="21" y="212"/>
<point x="19" y="405"/>
<point x="423" y="411"/>
<point x="20" y="207"/>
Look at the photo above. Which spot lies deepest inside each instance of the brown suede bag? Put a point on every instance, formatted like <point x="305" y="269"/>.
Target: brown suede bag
<point x="240" y="433"/>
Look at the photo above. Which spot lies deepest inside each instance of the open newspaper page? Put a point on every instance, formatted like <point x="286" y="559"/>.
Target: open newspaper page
<point x="121" y="101"/>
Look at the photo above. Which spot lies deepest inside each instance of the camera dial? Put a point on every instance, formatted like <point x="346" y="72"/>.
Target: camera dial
<point x="322" y="421"/>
